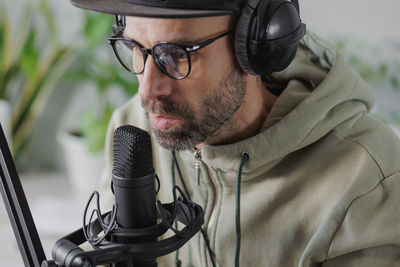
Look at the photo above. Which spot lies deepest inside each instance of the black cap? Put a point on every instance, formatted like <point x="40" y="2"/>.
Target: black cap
<point x="163" y="8"/>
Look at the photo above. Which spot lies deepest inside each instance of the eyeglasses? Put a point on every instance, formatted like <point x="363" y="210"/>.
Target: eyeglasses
<point x="171" y="58"/>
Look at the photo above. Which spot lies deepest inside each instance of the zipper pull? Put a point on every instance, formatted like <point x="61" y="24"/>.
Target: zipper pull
<point x="197" y="156"/>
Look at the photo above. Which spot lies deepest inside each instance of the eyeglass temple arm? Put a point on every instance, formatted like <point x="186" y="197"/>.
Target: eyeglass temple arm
<point x="207" y="42"/>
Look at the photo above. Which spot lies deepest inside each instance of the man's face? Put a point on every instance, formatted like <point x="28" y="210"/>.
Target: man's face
<point x="198" y="109"/>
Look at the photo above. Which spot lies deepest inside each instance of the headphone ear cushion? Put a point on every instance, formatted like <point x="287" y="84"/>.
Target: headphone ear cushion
<point x="241" y="37"/>
<point x="267" y="36"/>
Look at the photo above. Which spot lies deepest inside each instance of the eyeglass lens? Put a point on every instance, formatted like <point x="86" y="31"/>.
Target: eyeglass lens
<point x="171" y="58"/>
<point x="130" y="55"/>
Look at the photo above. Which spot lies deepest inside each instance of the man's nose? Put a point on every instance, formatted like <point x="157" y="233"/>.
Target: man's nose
<point x="153" y="82"/>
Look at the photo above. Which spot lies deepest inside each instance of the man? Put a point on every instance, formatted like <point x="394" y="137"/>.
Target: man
<point x="313" y="177"/>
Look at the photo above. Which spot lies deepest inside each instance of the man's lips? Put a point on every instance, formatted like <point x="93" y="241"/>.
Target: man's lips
<point x="163" y="122"/>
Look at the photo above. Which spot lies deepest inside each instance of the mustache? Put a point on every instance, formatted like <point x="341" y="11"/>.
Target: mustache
<point x="166" y="106"/>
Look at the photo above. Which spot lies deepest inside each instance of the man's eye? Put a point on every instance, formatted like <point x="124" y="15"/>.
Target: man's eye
<point x="179" y="54"/>
<point x="127" y="44"/>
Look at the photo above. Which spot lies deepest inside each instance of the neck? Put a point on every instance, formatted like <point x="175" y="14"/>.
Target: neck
<point x="248" y="119"/>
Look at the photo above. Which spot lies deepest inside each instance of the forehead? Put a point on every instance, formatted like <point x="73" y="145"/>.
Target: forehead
<point x="151" y="30"/>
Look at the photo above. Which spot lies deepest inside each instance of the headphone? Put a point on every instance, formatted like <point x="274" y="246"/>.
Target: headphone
<point x="267" y="35"/>
<point x="119" y="25"/>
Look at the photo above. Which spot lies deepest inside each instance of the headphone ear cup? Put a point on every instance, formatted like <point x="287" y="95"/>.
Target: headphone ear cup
<point x="241" y="37"/>
<point x="267" y="36"/>
<point x="278" y="46"/>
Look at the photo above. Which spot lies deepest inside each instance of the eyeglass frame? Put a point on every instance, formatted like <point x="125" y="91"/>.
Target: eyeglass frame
<point x="150" y="51"/>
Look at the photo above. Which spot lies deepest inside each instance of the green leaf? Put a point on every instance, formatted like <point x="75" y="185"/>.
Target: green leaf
<point x="76" y="76"/>
<point x="383" y="70"/>
<point x="36" y="67"/>
<point x="35" y="95"/>
<point x="47" y="13"/>
<point x="96" y="28"/>
<point x="341" y="45"/>
<point x="394" y="82"/>
<point x="46" y="71"/>
<point x="2" y="32"/>
<point x="396" y="118"/>
<point x="30" y="55"/>
<point x="94" y="128"/>
<point x="361" y="45"/>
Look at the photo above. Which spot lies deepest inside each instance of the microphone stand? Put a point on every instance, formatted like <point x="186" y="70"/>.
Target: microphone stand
<point x="18" y="209"/>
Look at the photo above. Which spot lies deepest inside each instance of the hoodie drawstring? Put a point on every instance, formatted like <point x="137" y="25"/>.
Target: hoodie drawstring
<point x="178" y="262"/>
<point x="244" y="159"/>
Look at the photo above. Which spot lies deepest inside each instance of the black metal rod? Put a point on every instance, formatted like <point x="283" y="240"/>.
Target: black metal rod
<point x="18" y="210"/>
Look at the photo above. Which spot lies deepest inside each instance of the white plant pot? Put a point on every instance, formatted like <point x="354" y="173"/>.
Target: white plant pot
<point x="5" y="115"/>
<point x="82" y="167"/>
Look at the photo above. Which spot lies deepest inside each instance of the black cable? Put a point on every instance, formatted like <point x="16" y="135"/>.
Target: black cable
<point x="204" y="234"/>
<point x="244" y="159"/>
<point x="178" y="262"/>
<point x="180" y="174"/>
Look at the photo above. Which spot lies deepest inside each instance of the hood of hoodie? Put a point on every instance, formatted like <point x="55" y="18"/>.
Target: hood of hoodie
<point x="320" y="93"/>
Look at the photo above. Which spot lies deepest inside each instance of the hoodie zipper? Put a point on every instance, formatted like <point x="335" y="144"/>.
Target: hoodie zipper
<point x="197" y="156"/>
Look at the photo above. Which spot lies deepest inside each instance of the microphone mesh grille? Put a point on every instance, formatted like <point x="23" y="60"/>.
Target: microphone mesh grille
<point x="132" y="152"/>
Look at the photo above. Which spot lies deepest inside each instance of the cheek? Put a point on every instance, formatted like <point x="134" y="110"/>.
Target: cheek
<point x="211" y="68"/>
<point x="214" y="63"/>
<point x="207" y="72"/>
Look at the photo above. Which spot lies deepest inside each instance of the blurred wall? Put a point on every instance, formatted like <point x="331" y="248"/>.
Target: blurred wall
<point x="371" y="20"/>
<point x="374" y="20"/>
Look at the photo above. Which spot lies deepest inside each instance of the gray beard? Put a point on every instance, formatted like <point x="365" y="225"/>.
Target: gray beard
<point x="215" y="111"/>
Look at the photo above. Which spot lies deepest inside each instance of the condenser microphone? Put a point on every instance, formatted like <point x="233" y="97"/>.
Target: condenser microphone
<point x="133" y="179"/>
<point x="130" y="235"/>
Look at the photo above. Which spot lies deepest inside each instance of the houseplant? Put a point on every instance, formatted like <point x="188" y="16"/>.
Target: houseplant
<point x="96" y="67"/>
<point x="29" y="69"/>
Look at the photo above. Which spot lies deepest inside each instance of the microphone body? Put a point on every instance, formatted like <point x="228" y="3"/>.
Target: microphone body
<point x="135" y="199"/>
<point x="134" y="188"/>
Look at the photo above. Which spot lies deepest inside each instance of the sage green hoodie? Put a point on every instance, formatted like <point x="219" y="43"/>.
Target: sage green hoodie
<point x="321" y="186"/>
